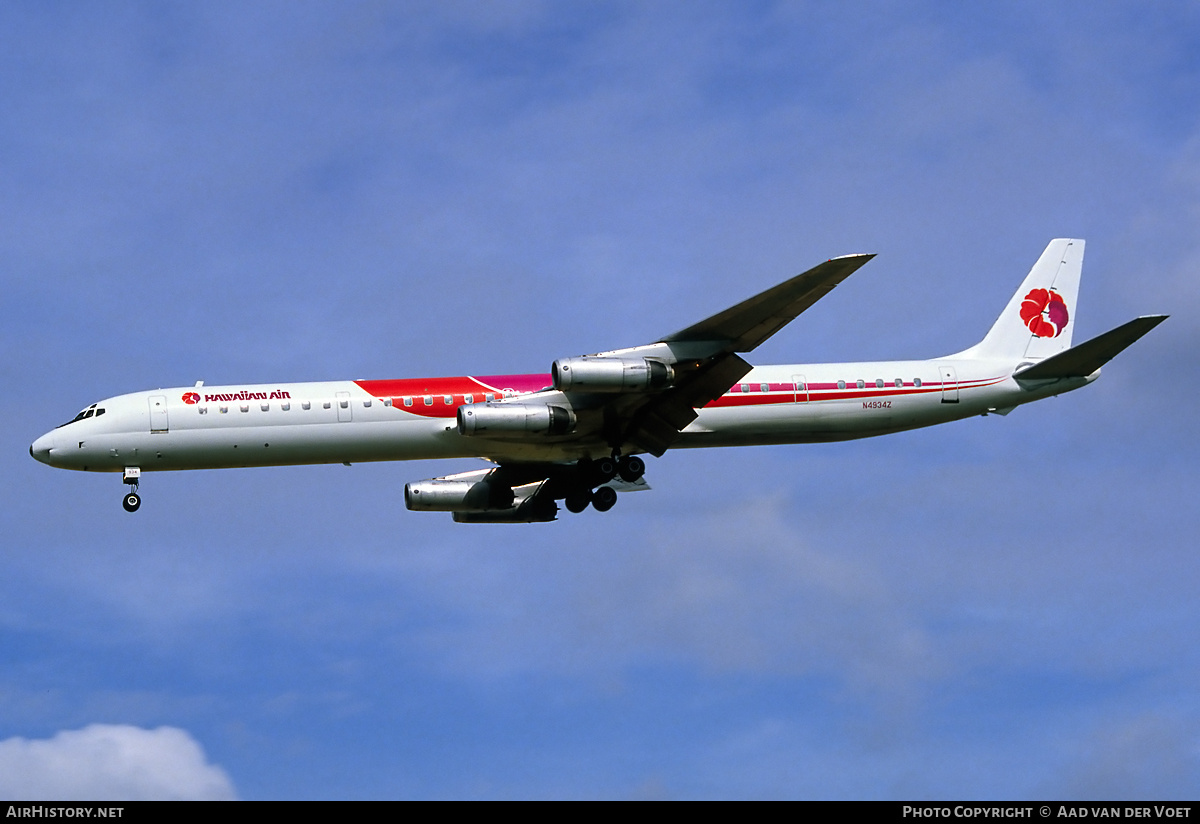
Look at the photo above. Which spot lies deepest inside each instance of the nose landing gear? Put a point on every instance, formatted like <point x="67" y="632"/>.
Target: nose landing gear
<point x="132" y="500"/>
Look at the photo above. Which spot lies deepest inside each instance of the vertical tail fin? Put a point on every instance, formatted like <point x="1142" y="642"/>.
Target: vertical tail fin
<point x="1040" y="317"/>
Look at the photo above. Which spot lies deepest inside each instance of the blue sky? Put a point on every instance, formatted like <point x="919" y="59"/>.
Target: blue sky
<point x="997" y="608"/>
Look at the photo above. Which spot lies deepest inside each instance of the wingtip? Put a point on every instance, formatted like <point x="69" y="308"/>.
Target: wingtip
<point x="867" y="255"/>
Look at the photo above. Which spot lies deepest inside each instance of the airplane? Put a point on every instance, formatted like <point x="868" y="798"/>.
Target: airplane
<point x="576" y="435"/>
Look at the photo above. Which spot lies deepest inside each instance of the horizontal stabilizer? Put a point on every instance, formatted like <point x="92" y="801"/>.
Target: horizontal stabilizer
<point x="1084" y="359"/>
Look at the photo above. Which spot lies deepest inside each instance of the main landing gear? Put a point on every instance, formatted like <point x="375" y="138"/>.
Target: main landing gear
<point x="631" y="468"/>
<point x="594" y="474"/>
<point x="132" y="500"/>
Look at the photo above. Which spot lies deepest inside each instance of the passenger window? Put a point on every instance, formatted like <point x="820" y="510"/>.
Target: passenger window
<point x="745" y="387"/>
<point x="366" y="403"/>
<point x="447" y="399"/>
<point x="489" y="397"/>
<point x="285" y="406"/>
<point x="916" y="381"/>
<point x="224" y="409"/>
<point x="861" y="384"/>
<point x="387" y="401"/>
<point x="468" y="399"/>
<point x="408" y="401"/>
<point x="264" y="407"/>
<point x="800" y="387"/>
<point x="325" y="405"/>
<point x="429" y="400"/>
<point x="841" y="384"/>
<point x="306" y="405"/>
<point x="345" y="404"/>
<point x="879" y="383"/>
<point x="899" y="382"/>
<point x="245" y="407"/>
<point x="204" y="410"/>
<point x="764" y="387"/>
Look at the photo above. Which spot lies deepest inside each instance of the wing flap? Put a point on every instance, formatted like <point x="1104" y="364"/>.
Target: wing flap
<point x="657" y="424"/>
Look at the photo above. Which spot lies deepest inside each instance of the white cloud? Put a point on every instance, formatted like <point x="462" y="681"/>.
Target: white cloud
<point x="111" y="762"/>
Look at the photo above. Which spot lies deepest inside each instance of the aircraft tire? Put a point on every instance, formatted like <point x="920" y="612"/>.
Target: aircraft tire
<point x="131" y="502"/>
<point x="578" y="501"/>
<point x="605" y="470"/>
<point x="604" y="498"/>
<point x="631" y="468"/>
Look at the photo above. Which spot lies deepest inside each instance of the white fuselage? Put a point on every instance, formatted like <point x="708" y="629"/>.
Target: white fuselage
<point x="350" y="421"/>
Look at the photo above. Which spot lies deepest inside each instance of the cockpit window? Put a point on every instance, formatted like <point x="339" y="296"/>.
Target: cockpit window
<point x="86" y="413"/>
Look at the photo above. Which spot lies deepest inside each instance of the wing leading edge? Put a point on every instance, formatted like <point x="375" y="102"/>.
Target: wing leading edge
<point x="743" y="327"/>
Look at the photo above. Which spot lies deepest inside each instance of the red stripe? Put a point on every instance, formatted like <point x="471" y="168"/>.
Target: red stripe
<point x="819" y="392"/>
<point x="456" y="388"/>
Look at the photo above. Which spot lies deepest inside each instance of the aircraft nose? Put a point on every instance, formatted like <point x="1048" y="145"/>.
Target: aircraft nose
<point x="40" y="449"/>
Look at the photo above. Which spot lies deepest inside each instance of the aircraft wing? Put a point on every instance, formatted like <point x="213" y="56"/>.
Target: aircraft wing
<point x="743" y="327"/>
<point x="703" y="357"/>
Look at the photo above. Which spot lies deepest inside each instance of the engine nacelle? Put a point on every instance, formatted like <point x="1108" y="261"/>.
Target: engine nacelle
<point x="523" y="514"/>
<point x="515" y="419"/>
<point x="458" y="494"/>
<point x="611" y="374"/>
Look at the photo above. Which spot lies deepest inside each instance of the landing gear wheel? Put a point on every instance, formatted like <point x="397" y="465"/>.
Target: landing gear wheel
<point x="604" y="498"/>
<point x="604" y="470"/>
<point x="131" y="502"/>
<point x="578" y="501"/>
<point x="631" y="468"/>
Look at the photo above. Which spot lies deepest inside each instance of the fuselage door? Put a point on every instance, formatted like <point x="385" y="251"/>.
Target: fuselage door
<point x="949" y="383"/>
<point x="801" y="386"/>
<point x="342" y="399"/>
<point x="158" y="413"/>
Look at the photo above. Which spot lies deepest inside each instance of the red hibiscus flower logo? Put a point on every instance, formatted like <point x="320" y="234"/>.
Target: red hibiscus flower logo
<point x="191" y="397"/>
<point x="1044" y="312"/>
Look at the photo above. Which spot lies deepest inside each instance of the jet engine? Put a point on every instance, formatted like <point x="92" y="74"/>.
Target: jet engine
<point x="468" y="492"/>
<point x="515" y="419"/>
<point x="482" y="497"/>
<point x="530" y="512"/>
<point x="611" y="374"/>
